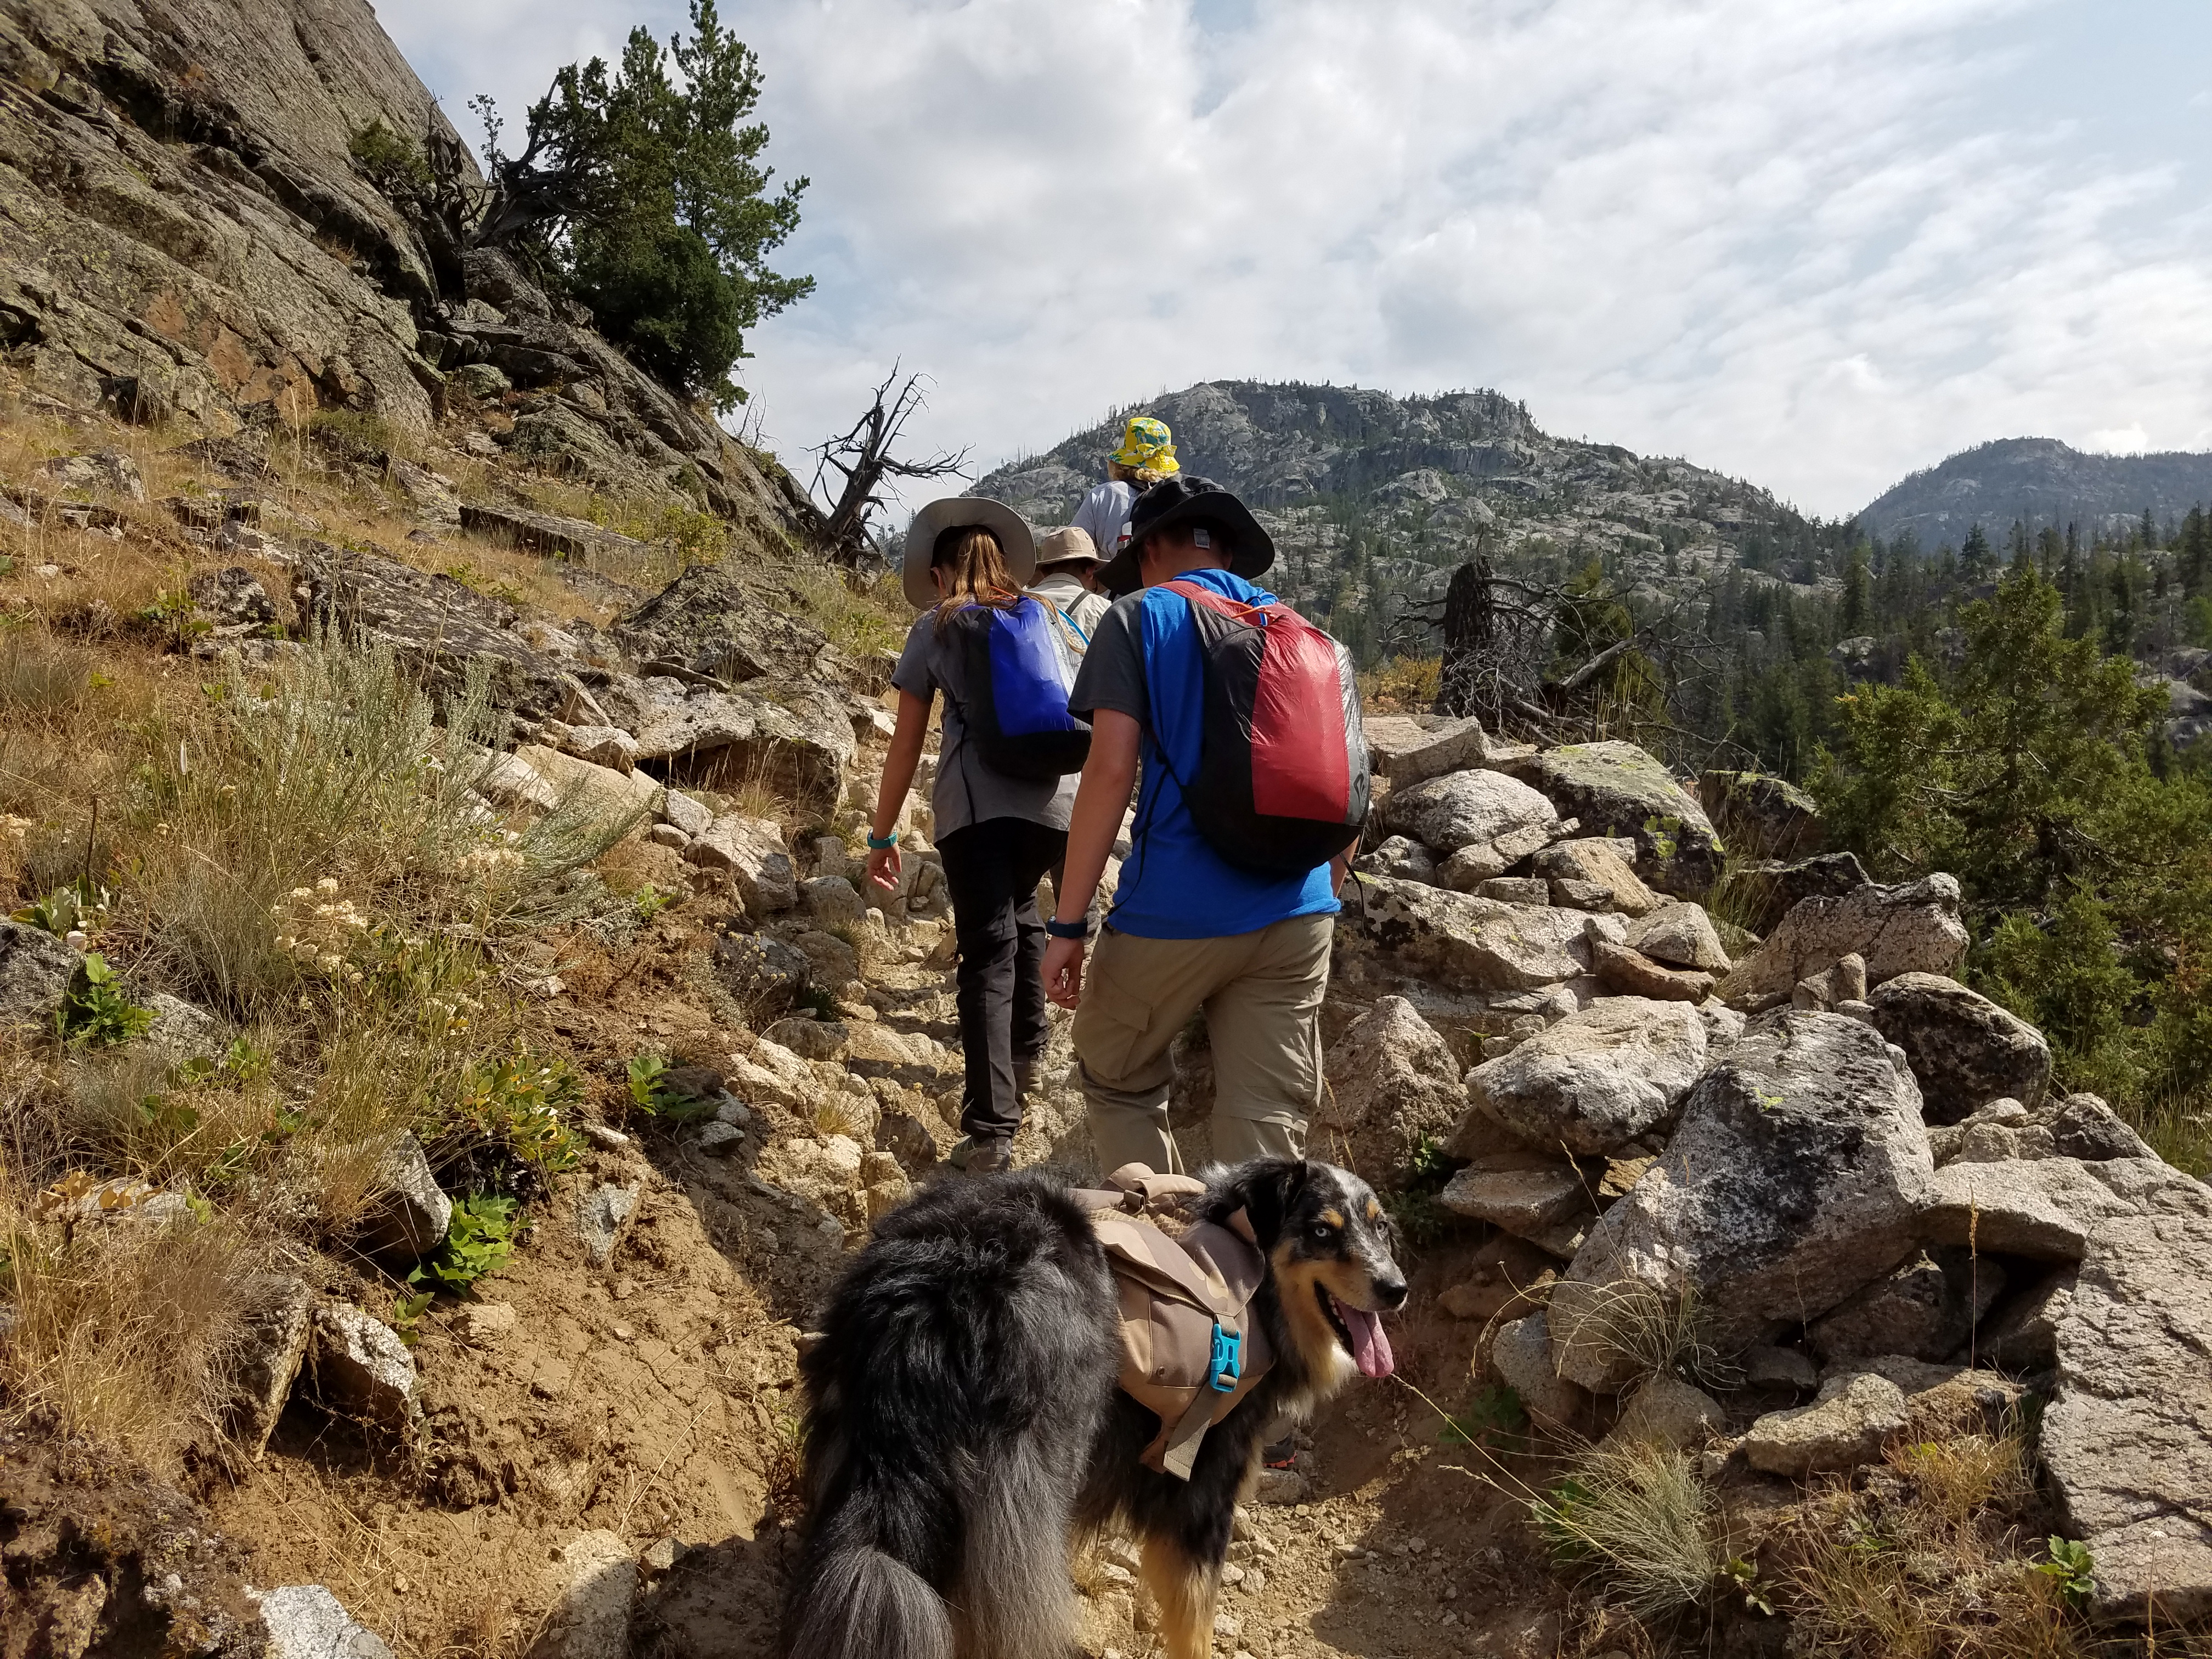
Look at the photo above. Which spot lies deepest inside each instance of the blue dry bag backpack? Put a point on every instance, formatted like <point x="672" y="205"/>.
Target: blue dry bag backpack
<point x="1019" y="672"/>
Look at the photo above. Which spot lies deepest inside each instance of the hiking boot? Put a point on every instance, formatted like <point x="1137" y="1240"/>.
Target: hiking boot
<point x="978" y="1155"/>
<point x="1025" y="1077"/>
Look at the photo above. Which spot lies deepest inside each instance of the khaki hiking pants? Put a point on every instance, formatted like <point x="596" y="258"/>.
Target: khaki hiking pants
<point x="1261" y="992"/>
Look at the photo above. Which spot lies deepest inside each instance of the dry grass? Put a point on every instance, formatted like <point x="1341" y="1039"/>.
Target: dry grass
<point x="123" y="1330"/>
<point x="1403" y="685"/>
<point x="1655" y="1333"/>
<point x="1637" y="1519"/>
<point x="859" y="622"/>
<point x="1927" y="1560"/>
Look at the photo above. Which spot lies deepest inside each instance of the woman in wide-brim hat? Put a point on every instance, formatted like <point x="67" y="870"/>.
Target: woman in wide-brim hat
<point x="996" y="835"/>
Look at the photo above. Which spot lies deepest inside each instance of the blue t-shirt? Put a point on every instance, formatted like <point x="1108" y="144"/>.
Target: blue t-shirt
<point x="1145" y="662"/>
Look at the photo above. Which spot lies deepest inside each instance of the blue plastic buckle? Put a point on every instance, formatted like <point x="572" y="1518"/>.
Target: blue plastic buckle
<point x="1227" y="1365"/>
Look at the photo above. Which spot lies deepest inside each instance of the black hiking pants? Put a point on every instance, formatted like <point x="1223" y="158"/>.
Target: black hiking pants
<point x="992" y="870"/>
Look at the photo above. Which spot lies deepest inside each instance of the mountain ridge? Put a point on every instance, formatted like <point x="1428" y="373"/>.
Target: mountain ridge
<point x="2037" y="482"/>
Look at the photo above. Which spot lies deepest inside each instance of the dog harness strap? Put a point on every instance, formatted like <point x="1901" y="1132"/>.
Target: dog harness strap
<point x="1180" y="1455"/>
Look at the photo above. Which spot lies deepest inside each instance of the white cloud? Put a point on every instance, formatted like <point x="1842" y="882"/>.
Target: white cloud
<point x="2120" y="441"/>
<point x="1808" y="241"/>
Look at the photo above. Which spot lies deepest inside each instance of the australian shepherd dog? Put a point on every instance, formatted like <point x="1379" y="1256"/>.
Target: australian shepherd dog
<point x="966" y="1425"/>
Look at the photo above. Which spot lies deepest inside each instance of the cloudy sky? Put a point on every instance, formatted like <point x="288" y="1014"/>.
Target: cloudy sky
<point x="1814" y="243"/>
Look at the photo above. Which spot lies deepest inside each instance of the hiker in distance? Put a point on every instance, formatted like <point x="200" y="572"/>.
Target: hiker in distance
<point x="1146" y="457"/>
<point x="1243" y="827"/>
<point x="1068" y="576"/>
<point x="1005" y="787"/>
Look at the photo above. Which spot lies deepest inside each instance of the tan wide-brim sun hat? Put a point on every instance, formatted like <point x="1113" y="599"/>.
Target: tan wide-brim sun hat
<point x="1016" y="540"/>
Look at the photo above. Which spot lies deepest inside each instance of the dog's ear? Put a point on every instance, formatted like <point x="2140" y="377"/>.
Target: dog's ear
<point x="1265" y="1189"/>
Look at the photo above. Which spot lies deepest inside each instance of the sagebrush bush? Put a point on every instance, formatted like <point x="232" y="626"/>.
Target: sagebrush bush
<point x="1637" y="1518"/>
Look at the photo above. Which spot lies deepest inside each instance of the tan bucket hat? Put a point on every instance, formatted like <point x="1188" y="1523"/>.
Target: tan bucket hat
<point x="1016" y="540"/>
<point x="1068" y="545"/>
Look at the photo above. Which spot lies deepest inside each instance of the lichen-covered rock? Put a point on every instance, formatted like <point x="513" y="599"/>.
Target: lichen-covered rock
<point x="1965" y="1050"/>
<point x="1924" y="1310"/>
<point x="362" y="1368"/>
<point x="1400" y="857"/>
<point x="603" y="1216"/>
<point x="2127" y="1438"/>
<point x="1761" y="817"/>
<point x="752" y="851"/>
<point x="1843" y="1428"/>
<point x="1468" y="944"/>
<point x="764" y="974"/>
<point x="1521" y="1357"/>
<point x="717" y="621"/>
<point x="587" y="1593"/>
<point x="1669" y="1412"/>
<point x="409" y="1218"/>
<point x="796" y="738"/>
<point x="771" y="1072"/>
<point x="439" y="627"/>
<point x="1598" y="1078"/>
<point x="1465" y="809"/>
<point x="1913" y="927"/>
<point x="1527" y="1194"/>
<point x="1616" y="789"/>
<point x="2049" y="1208"/>
<point x="831" y="902"/>
<point x="306" y="1621"/>
<point x="1680" y="935"/>
<point x="1597" y="860"/>
<point x="1795" y="1176"/>
<point x="1631" y="973"/>
<point x="1411" y="749"/>
<point x="35" y="970"/>
<point x="272" y="1343"/>
<point x="1392" y="1080"/>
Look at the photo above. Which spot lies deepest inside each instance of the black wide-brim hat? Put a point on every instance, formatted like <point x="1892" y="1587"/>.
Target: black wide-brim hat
<point x="1185" y="500"/>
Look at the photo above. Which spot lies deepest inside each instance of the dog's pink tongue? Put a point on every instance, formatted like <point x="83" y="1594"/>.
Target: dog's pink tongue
<point x="1370" y="1348"/>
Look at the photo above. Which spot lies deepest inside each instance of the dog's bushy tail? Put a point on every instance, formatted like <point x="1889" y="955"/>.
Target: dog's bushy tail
<point x="861" y="1603"/>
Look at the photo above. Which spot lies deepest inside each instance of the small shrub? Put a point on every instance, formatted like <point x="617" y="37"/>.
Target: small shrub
<point x="478" y="1242"/>
<point x="1636" y="1518"/>
<point x="656" y="1098"/>
<point x="2071" y="1569"/>
<point x="39" y="677"/>
<point x="96" y="1011"/>
<point x="1494" y="1412"/>
<point x="517" y="1112"/>
<point x="1656" y="1333"/>
<point x="351" y="435"/>
<point x="391" y="161"/>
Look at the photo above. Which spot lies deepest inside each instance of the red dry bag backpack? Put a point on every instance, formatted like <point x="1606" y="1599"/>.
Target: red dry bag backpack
<point x="1282" y="785"/>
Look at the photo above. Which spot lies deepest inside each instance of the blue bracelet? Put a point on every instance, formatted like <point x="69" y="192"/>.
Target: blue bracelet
<point x="1068" y="929"/>
<point x="889" y="841"/>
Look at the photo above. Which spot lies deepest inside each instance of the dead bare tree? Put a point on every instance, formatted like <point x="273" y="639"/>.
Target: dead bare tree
<point x="862" y="458"/>
<point x="1504" y="638"/>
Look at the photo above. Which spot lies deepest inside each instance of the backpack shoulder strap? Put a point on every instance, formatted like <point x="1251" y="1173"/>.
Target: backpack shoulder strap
<point x="1257" y="615"/>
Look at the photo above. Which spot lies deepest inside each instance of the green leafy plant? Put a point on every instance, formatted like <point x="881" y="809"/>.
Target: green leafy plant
<point x="521" y="1106"/>
<point x="96" y="1011"/>
<point x="1494" y="1412"/>
<point x="650" y="902"/>
<point x="2071" y="1568"/>
<point x="82" y="904"/>
<point x="392" y="163"/>
<point x="1421" y="1218"/>
<point x="477" y="1243"/>
<point x="174" y="615"/>
<point x="1744" y="1576"/>
<point x="652" y="1097"/>
<point x="407" y="1310"/>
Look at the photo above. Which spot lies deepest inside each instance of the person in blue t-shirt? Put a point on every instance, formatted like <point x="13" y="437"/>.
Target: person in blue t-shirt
<point x="1188" y="930"/>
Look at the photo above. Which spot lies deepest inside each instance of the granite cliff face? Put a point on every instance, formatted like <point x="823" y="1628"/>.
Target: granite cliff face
<point x="183" y="232"/>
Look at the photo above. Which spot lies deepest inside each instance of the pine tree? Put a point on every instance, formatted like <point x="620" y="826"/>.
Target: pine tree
<point x="1857" y="593"/>
<point x="1976" y="558"/>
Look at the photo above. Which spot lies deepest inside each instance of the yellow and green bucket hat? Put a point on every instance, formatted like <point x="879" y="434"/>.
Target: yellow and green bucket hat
<point x="1147" y="442"/>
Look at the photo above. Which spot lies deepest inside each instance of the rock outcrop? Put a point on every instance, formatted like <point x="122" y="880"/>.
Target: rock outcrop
<point x="1913" y="927"/>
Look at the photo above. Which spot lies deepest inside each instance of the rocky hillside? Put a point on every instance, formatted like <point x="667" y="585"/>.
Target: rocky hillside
<point x="184" y="231"/>
<point x="1374" y="500"/>
<point x="2037" y="482"/>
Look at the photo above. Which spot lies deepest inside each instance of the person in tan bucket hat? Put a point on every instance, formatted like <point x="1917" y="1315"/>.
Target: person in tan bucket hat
<point x="1067" y="577"/>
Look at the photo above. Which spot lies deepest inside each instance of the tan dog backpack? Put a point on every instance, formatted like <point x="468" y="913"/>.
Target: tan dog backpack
<point x="1189" y="1351"/>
